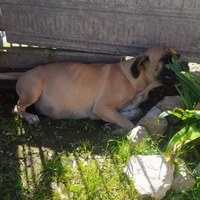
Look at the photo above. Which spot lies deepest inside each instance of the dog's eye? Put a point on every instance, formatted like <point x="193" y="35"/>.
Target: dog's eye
<point x="167" y="77"/>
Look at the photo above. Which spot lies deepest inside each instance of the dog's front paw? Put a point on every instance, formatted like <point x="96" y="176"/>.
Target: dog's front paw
<point x="113" y="129"/>
<point x="32" y="119"/>
<point x="107" y="127"/>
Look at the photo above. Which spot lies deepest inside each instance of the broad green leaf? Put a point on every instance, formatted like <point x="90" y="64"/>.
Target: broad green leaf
<point x="191" y="81"/>
<point x="185" y="113"/>
<point x="195" y="112"/>
<point x="185" y="135"/>
<point x="179" y="91"/>
<point x="169" y="66"/>
<point x="187" y="82"/>
<point x="177" y="64"/>
<point x="179" y="109"/>
<point x="183" y="67"/>
<point x="173" y="67"/>
<point x="176" y="139"/>
<point x="169" y="112"/>
<point x="174" y="57"/>
<point x="187" y="96"/>
<point x="164" y="114"/>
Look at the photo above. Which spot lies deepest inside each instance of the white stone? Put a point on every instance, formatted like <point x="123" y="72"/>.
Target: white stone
<point x="152" y="175"/>
<point x="150" y="122"/>
<point x="138" y="134"/>
<point x="194" y="67"/>
<point x="183" y="180"/>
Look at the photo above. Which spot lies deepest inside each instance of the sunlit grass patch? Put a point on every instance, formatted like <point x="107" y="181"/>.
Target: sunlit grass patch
<point x="38" y="172"/>
<point x="43" y="172"/>
<point x="73" y="177"/>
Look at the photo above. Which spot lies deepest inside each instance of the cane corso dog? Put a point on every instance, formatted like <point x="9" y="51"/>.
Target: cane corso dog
<point x="67" y="90"/>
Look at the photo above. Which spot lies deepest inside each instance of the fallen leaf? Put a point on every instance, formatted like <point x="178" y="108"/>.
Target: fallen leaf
<point x="8" y="133"/>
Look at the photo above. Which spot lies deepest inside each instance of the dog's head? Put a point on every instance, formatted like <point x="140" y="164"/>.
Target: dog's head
<point x="152" y="64"/>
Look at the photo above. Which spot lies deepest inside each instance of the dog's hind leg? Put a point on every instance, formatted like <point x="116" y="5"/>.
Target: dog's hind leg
<point x="29" y="90"/>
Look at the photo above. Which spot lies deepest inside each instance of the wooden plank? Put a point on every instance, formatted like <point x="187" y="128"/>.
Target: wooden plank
<point x="120" y="27"/>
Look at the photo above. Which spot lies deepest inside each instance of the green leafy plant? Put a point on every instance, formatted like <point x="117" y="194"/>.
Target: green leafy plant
<point x="190" y="94"/>
<point x="189" y="83"/>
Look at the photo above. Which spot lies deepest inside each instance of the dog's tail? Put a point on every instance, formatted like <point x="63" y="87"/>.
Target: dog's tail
<point x="10" y="75"/>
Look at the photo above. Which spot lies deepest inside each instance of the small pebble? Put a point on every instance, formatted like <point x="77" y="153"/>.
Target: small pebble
<point x="59" y="137"/>
<point x="7" y="134"/>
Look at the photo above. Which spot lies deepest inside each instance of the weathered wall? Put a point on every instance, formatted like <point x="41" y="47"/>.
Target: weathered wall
<point x="120" y="27"/>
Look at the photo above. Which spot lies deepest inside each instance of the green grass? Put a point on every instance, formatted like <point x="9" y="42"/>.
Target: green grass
<point x="35" y="172"/>
<point x="71" y="175"/>
<point x="17" y="130"/>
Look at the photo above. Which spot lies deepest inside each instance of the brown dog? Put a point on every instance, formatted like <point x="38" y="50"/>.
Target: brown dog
<point x="96" y="91"/>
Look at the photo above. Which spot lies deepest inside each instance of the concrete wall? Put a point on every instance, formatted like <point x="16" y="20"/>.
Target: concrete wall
<point x="22" y="59"/>
<point x="118" y="27"/>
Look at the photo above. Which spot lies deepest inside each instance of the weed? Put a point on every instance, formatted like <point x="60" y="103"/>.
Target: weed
<point x="84" y="146"/>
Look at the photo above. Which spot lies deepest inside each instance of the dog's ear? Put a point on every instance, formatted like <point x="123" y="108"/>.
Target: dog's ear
<point x="139" y="61"/>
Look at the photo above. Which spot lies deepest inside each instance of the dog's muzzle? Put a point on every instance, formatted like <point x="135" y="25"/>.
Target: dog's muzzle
<point x="168" y="76"/>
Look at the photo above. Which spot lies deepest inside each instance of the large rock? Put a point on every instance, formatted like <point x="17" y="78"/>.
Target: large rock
<point x="183" y="180"/>
<point x="152" y="175"/>
<point x="150" y="122"/>
<point x="197" y="170"/>
<point x="169" y="103"/>
<point x="197" y="107"/>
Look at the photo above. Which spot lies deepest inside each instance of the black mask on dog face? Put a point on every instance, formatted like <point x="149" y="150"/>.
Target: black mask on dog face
<point x="168" y="76"/>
